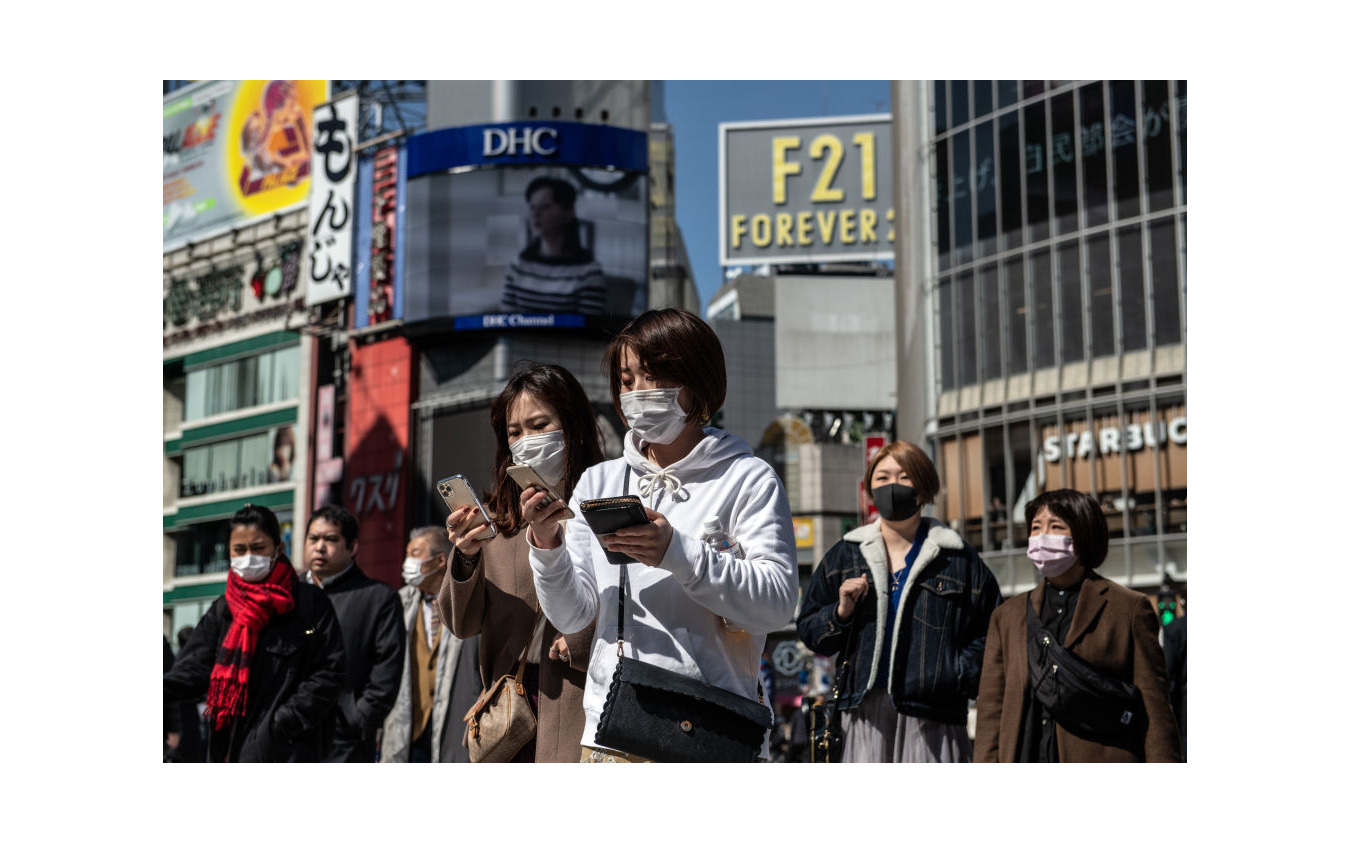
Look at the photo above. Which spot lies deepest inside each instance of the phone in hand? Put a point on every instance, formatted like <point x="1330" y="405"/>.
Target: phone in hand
<point x="457" y="493"/>
<point x="525" y="477"/>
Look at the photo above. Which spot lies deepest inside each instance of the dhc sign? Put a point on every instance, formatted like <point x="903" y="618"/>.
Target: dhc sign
<point x="523" y="140"/>
<point x="555" y="143"/>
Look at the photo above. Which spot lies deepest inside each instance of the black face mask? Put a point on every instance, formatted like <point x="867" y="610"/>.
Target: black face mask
<point x="895" y="502"/>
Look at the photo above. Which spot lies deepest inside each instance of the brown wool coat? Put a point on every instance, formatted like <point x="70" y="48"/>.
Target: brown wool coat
<point x="495" y="599"/>
<point x="1113" y="628"/>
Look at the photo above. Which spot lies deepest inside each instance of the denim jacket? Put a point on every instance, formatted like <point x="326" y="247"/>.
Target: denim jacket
<point x="938" y="638"/>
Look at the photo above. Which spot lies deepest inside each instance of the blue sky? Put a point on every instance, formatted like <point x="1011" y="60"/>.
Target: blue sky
<point x="694" y="108"/>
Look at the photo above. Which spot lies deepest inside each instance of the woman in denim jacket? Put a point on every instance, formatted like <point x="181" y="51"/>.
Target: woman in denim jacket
<point x="905" y="602"/>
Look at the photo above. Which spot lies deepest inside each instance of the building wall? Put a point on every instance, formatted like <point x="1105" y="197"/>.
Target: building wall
<point x="1055" y="282"/>
<point x="749" y="349"/>
<point x="835" y="341"/>
<point x="235" y="377"/>
<point x="623" y="103"/>
<point x="375" y="483"/>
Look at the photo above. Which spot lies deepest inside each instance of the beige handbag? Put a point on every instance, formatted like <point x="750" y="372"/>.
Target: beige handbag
<point x="501" y="722"/>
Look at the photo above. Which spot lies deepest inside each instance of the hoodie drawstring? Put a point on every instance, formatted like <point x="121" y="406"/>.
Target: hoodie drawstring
<point x="647" y="483"/>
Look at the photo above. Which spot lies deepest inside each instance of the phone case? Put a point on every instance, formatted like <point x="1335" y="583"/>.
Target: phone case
<point x="524" y="476"/>
<point x="457" y="492"/>
<point x="606" y="515"/>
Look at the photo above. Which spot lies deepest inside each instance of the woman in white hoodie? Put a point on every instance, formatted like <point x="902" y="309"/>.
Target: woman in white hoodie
<point x="690" y="608"/>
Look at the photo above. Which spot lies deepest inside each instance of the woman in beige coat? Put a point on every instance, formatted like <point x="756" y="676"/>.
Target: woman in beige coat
<point x="542" y="418"/>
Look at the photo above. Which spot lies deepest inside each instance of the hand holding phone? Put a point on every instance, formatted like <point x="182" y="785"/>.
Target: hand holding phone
<point x="606" y="515"/>
<point x="526" y="477"/>
<point x="458" y="494"/>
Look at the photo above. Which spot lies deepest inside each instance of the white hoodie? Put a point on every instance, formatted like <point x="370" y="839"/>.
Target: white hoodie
<point x="673" y="612"/>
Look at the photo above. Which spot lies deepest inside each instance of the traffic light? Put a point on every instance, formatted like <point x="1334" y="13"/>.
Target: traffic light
<point x="1167" y="605"/>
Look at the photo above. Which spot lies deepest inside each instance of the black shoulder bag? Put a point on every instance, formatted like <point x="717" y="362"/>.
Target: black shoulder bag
<point x="1087" y="702"/>
<point x="667" y="717"/>
<point x="824" y="719"/>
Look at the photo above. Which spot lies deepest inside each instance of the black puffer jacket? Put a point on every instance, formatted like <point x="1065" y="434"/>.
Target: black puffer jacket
<point x="293" y="681"/>
<point x="938" y="640"/>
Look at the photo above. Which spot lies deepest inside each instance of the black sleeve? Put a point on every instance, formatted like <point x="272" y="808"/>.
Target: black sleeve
<point x="191" y="671"/>
<point x="817" y="625"/>
<point x="984" y="598"/>
<point x="386" y="665"/>
<point x="317" y="691"/>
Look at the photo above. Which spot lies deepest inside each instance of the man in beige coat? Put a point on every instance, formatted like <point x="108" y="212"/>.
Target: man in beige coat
<point x="440" y="671"/>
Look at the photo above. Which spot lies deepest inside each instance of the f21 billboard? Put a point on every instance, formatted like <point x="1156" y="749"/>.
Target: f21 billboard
<point x="806" y="191"/>
<point x="529" y="224"/>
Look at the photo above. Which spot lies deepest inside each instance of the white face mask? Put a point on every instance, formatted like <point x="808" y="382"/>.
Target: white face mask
<point x="412" y="571"/>
<point x="654" y="415"/>
<point x="251" y="567"/>
<point x="545" y="454"/>
<point x="286" y="452"/>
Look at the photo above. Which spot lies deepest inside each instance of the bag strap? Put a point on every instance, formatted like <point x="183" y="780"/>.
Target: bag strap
<point x="842" y="672"/>
<point x="623" y="567"/>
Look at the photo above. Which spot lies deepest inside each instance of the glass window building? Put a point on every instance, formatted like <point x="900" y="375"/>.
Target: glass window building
<point x="1047" y="252"/>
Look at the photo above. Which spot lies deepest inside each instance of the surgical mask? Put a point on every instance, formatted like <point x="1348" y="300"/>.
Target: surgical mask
<point x="545" y="454"/>
<point x="251" y="567"/>
<point x="412" y="571"/>
<point x="1053" y="554"/>
<point x="654" y="415"/>
<point x="286" y="452"/>
<point x="895" y="502"/>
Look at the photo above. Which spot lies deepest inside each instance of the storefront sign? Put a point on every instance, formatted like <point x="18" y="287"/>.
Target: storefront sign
<point x="330" y="202"/>
<point x="384" y="218"/>
<point x="534" y="142"/>
<point x="806" y="191"/>
<point x="232" y="296"/>
<point x="1114" y="440"/>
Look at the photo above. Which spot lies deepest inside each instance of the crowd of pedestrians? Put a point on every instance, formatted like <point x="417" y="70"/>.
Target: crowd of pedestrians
<point x="542" y="608"/>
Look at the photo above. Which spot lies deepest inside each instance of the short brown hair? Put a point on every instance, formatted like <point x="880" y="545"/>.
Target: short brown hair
<point x="1084" y="517"/>
<point x="673" y="345"/>
<point x="916" y="463"/>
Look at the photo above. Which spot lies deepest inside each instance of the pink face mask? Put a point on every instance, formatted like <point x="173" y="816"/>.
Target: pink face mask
<point x="1052" y="554"/>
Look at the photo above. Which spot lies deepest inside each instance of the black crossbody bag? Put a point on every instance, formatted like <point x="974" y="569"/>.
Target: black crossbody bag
<point x="667" y="717"/>
<point x="1087" y="702"/>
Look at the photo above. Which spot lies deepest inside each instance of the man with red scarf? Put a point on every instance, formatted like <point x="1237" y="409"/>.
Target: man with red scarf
<point x="267" y="654"/>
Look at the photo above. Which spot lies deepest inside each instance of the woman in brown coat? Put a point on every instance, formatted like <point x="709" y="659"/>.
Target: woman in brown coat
<point x="543" y="419"/>
<point x="1112" y="628"/>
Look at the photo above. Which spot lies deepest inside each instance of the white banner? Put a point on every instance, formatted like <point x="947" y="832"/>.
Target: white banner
<point x="331" y="209"/>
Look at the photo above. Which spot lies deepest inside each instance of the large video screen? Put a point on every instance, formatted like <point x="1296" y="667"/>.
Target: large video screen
<point x="557" y="240"/>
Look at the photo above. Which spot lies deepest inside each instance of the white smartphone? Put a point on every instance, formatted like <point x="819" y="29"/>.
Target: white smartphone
<point x="457" y="493"/>
<point x="526" y="477"/>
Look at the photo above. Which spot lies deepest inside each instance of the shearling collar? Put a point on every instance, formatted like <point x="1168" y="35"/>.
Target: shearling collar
<point x="873" y="549"/>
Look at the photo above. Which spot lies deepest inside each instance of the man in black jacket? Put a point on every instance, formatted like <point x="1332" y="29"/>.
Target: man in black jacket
<point x="373" y="635"/>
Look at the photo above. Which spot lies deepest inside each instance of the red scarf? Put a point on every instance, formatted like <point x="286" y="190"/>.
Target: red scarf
<point x="252" y="605"/>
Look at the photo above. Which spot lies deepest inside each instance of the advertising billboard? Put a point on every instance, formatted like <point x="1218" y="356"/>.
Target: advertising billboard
<point x="538" y="224"/>
<point x="234" y="150"/>
<point x="806" y="191"/>
<point x="331" y="215"/>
